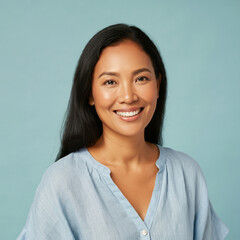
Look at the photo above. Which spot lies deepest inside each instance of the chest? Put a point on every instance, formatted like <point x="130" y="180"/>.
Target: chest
<point x="107" y="212"/>
<point x="136" y="187"/>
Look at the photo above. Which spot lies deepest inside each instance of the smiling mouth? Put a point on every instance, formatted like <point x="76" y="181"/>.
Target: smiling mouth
<point x="129" y="113"/>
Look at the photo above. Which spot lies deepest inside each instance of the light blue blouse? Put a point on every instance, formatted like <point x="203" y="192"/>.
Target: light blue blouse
<point x="77" y="199"/>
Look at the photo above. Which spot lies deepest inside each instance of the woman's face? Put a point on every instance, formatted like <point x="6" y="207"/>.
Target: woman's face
<point x="124" y="89"/>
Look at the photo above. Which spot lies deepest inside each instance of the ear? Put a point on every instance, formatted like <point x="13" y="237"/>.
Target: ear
<point x="158" y="84"/>
<point x="91" y="101"/>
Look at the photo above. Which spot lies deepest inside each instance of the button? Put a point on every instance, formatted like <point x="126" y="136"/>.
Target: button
<point x="144" y="232"/>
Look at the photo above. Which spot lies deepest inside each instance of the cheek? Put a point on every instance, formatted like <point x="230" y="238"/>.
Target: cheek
<point x="102" y="97"/>
<point x="150" y="93"/>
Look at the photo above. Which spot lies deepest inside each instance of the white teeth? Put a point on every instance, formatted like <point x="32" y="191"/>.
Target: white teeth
<point x="128" y="114"/>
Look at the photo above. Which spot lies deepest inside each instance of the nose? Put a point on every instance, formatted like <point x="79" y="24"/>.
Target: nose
<point x="127" y="94"/>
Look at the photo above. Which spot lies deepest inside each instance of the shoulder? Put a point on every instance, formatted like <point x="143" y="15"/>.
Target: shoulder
<point x="180" y="163"/>
<point x="179" y="158"/>
<point x="66" y="171"/>
<point x="184" y="175"/>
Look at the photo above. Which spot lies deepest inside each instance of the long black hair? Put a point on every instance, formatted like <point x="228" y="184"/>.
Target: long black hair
<point x="82" y="126"/>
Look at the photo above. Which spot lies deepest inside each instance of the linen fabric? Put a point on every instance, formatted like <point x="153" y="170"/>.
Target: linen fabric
<point x="77" y="199"/>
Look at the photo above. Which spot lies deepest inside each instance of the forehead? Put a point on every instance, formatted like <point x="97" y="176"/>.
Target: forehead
<point x="126" y="55"/>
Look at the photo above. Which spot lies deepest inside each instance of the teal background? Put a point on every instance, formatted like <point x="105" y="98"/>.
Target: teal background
<point x="40" y="43"/>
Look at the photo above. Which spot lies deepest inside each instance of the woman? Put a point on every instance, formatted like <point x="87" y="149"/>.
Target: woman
<point x="112" y="178"/>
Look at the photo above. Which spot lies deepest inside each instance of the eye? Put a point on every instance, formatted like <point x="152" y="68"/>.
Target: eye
<point x="109" y="82"/>
<point x="142" y="78"/>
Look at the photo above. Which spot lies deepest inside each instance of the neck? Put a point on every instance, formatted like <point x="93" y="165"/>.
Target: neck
<point x="128" y="151"/>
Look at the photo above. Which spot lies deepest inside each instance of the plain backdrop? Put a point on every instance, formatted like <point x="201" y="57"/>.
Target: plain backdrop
<point x="40" y="43"/>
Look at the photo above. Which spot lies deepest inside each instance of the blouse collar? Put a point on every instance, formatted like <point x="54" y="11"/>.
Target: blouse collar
<point x="91" y="161"/>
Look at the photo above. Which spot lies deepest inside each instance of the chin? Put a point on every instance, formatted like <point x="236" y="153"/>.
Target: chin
<point x="130" y="132"/>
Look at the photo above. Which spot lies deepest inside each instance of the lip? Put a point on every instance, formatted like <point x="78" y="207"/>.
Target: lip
<point x="129" y="119"/>
<point x="128" y="109"/>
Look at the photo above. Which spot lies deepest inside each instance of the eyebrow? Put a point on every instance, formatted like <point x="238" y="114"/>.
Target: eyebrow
<point x="117" y="74"/>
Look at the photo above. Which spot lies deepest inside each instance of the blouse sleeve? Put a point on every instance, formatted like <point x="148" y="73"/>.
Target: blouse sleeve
<point x="219" y="229"/>
<point x="46" y="217"/>
<point x="207" y="225"/>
